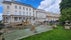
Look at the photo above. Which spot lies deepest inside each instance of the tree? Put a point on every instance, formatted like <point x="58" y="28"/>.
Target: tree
<point x="65" y="4"/>
<point x="65" y="7"/>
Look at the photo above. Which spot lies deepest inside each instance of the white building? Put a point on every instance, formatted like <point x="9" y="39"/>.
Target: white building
<point x="17" y="12"/>
<point x="52" y="16"/>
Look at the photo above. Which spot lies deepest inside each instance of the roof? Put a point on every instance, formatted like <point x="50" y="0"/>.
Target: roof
<point x="16" y="2"/>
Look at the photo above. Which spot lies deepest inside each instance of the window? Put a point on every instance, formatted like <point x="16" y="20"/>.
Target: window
<point x="19" y="12"/>
<point x="8" y="7"/>
<point x="15" y="18"/>
<point x="23" y="8"/>
<point x="23" y="13"/>
<point x="8" y="12"/>
<point x="27" y="13"/>
<point x="19" y="7"/>
<point x="6" y="18"/>
<point x="20" y="18"/>
<point x="26" y="8"/>
<point x="33" y="18"/>
<point x="30" y="13"/>
<point x="15" y="7"/>
<point x="23" y="17"/>
<point x="15" y="12"/>
<point x="29" y="9"/>
<point x="30" y="18"/>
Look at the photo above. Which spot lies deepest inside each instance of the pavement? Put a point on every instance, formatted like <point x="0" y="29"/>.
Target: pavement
<point x="19" y="34"/>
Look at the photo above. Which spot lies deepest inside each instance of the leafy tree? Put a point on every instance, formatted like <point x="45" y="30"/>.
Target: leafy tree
<point x="65" y="10"/>
<point x="65" y="4"/>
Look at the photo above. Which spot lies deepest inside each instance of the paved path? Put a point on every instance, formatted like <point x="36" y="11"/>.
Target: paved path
<point x="18" y="34"/>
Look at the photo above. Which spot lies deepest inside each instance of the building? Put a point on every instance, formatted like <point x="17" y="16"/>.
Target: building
<point x="16" y="12"/>
<point x="52" y="16"/>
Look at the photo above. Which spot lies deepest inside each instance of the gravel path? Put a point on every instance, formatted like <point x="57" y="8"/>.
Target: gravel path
<point x="18" y="34"/>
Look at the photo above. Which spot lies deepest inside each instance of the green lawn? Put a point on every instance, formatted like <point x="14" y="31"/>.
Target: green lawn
<point x="55" y="34"/>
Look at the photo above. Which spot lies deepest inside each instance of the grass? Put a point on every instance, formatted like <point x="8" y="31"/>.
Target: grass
<point x="55" y="34"/>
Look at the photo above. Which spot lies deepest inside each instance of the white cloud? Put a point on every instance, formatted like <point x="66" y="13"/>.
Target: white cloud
<point x="1" y="2"/>
<point x="0" y="16"/>
<point x="50" y="5"/>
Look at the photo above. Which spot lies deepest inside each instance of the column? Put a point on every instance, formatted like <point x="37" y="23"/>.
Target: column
<point x="4" y="19"/>
<point x="18" y="19"/>
<point x="11" y="19"/>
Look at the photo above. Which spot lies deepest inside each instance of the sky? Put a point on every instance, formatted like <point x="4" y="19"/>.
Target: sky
<point x="48" y="5"/>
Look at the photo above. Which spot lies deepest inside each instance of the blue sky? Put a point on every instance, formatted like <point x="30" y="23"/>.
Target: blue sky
<point x="48" y="5"/>
<point x="1" y="9"/>
<point x="34" y="3"/>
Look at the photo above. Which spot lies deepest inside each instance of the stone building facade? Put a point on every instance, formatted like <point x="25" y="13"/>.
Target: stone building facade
<point x="16" y="12"/>
<point x="53" y="16"/>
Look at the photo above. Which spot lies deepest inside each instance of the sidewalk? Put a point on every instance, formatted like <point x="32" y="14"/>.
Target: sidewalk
<point x="19" y="34"/>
